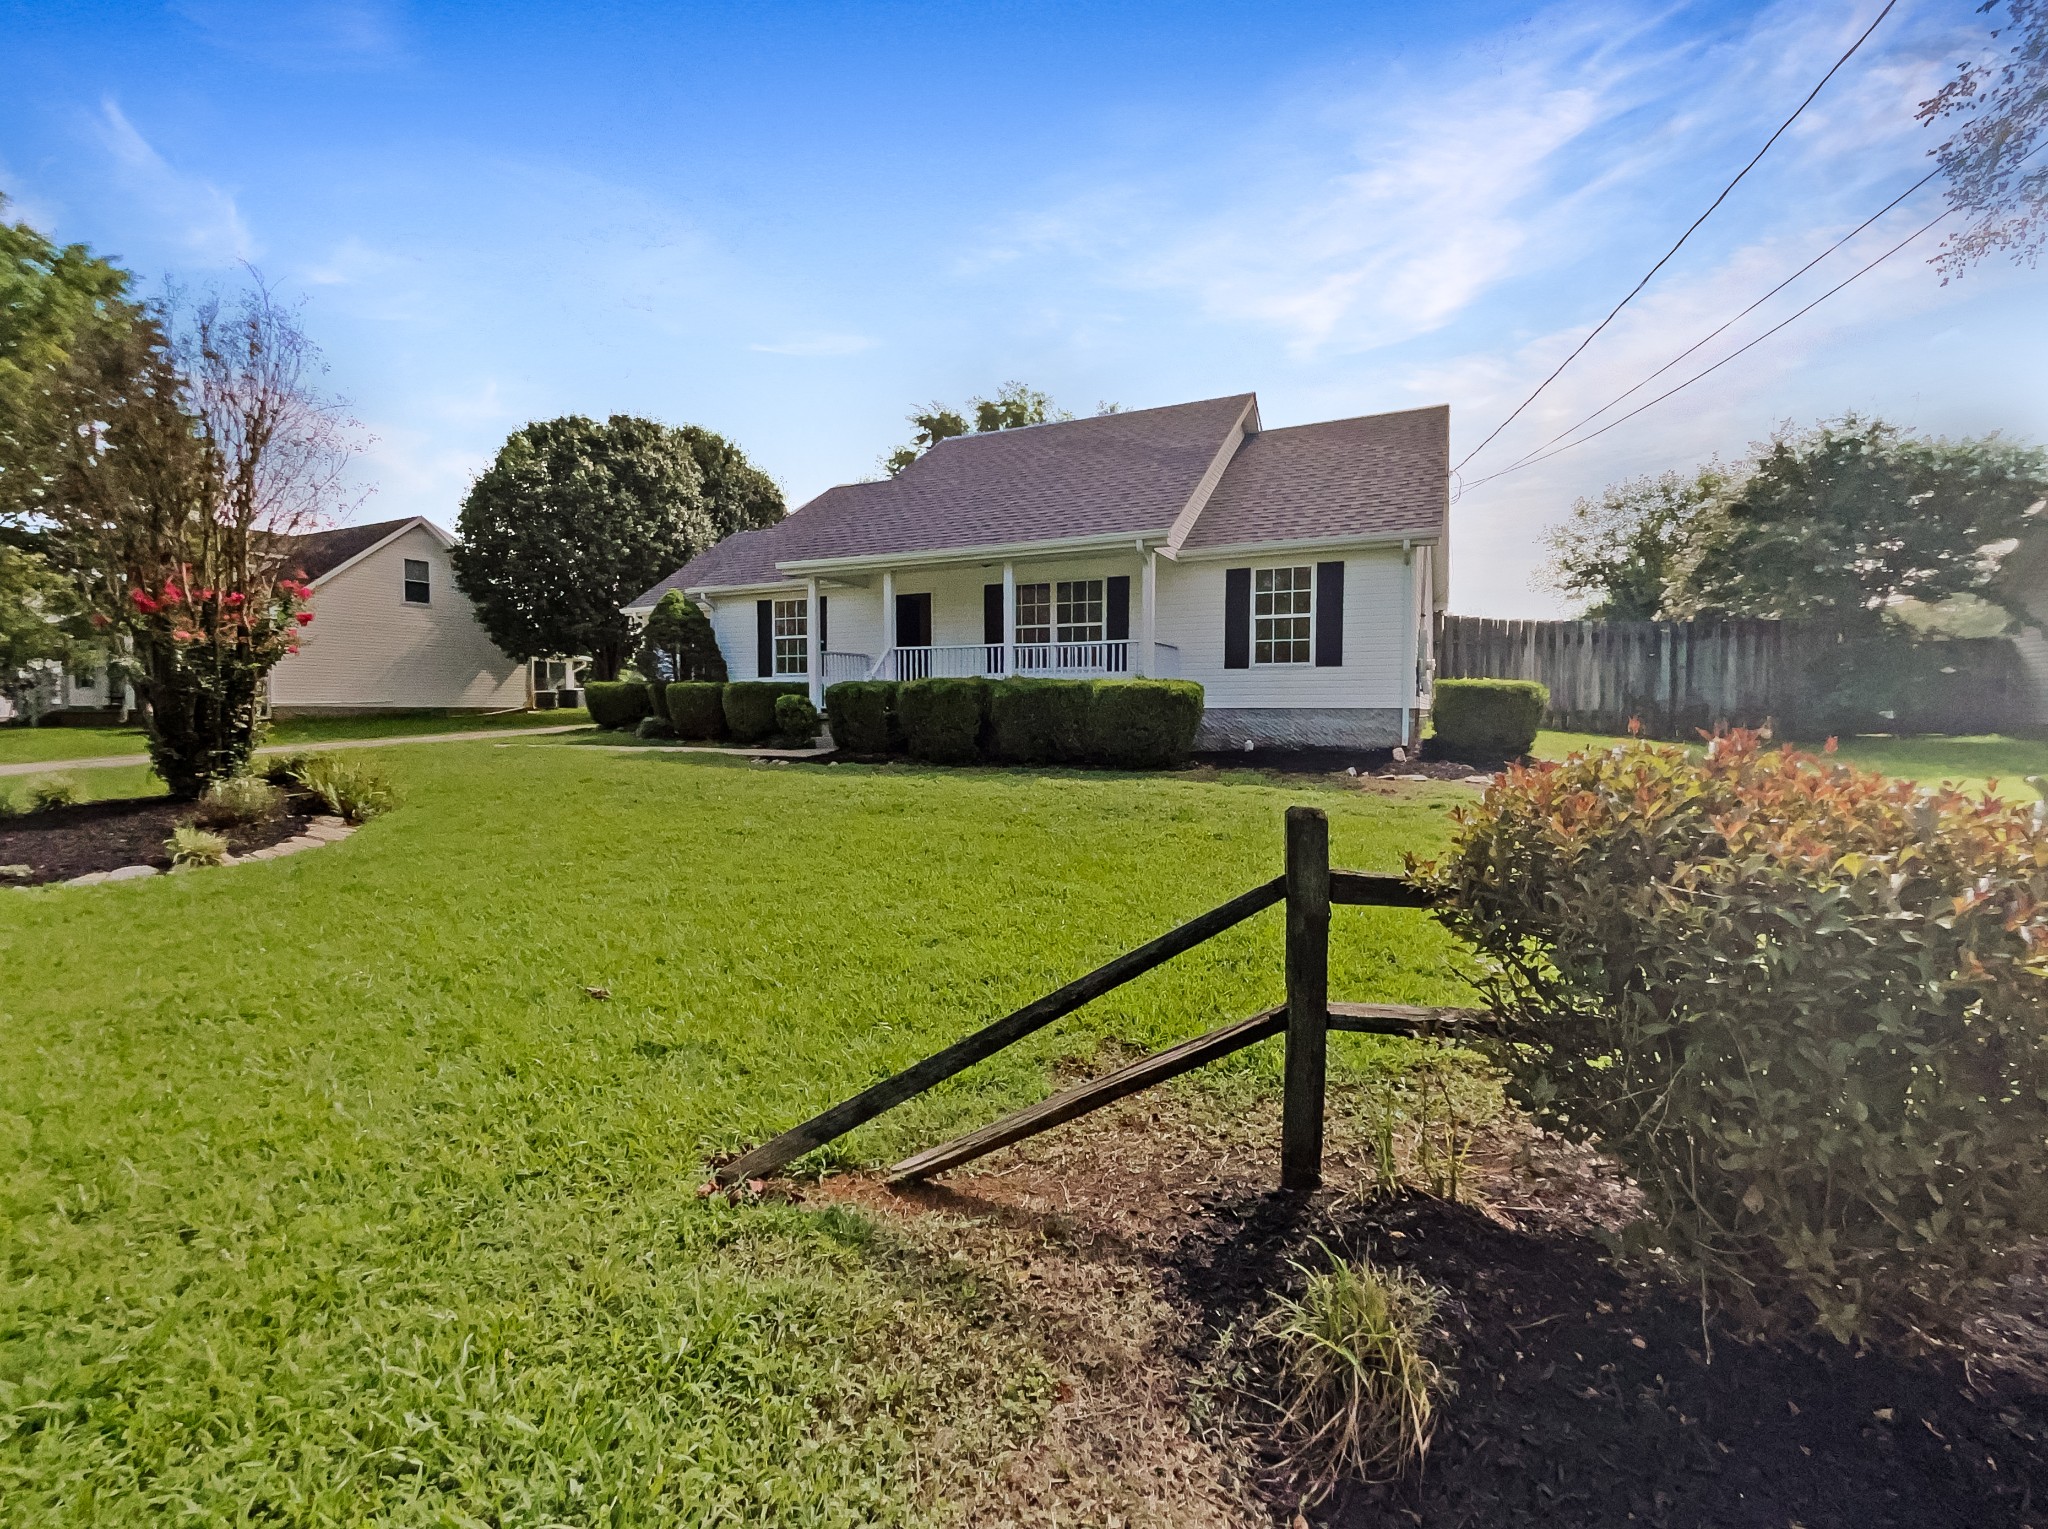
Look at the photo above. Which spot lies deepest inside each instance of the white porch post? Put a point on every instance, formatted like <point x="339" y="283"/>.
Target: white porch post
<point x="889" y="623"/>
<point x="1148" y="616"/>
<point x="814" y="648"/>
<point x="1009" y="618"/>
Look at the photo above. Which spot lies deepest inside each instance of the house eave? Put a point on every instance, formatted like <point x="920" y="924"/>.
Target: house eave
<point x="1305" y="544"/>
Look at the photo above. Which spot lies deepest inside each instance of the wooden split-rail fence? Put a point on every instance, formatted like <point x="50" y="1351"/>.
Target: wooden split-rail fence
<point x="1308" y="889"/>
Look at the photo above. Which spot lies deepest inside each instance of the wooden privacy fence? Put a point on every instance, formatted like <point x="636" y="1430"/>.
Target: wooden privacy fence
<point x="1678" y="676"/>
<point x="1308" y="889"/>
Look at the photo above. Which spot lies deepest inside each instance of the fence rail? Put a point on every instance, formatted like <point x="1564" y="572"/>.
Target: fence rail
<point x="1676" y="676"/>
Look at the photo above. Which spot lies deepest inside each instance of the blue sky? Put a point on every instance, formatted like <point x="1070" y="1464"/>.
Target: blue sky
<point x="794" y="222"/>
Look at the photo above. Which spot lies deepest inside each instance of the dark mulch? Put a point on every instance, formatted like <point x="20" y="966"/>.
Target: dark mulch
<point x="104" y="836"/>
<point x="1586" y="1396"/>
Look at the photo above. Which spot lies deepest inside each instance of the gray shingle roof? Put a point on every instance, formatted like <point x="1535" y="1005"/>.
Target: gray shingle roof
<point x="1377" y="475"/>
<point x="1115" y="474"/>
<point x="318" y="552"/>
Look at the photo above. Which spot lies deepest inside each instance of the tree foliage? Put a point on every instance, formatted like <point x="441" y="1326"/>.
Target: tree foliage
<point x="2000" y="106"/>
<point x="1840" y="522"/>
<point x="1013" y="406"/>
<point x="738" y="496"/>
<point x="573" y="519"/>
<point x="1615" y="553"/>
<point x="42" y="628"/>
<point x="677" y="644"/>
<point x="194" y="445"/>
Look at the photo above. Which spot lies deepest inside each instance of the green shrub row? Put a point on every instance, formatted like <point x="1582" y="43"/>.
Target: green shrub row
<point x="701" y="710"/>
<point x="1487" y="719"/>
<point x="1124" y="724"/>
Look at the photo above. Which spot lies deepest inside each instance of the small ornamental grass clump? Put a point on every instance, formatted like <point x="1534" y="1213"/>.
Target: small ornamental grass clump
<point x="236" y="800"/>
<point x="1805" y="1005"/>
<point x="49" y="792"/>
<point x="349" y="790"/>
<point x="190" y="844"/>
<point x="1358" y="1392"/>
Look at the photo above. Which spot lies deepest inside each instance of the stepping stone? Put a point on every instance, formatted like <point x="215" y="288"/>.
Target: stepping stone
<point x="89" y="879"/>
<point x="131" y="873"/>
<point x="328" y="820"/>
<point x="17" y="872"/>
<point x="319" y="829"/>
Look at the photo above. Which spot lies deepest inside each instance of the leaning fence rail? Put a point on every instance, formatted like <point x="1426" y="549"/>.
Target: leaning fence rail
<point x="1308" y="890"/>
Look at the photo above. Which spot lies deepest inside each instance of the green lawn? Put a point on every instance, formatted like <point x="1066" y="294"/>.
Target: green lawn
<point x="1971" y="763"/>
<point x="32" y="745"/>
<point x="330" y="1197"/>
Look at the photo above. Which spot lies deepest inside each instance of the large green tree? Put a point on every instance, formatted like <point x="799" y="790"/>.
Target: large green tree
<point x="1614" y="554"/>
<point x="573" y="519"/>
<point x="1844" y="521"/>
<point x="56" y="302"/>
<point x="738" y="496"/>
<point x="1013" y="406"/>
<point x="42" y="626"/>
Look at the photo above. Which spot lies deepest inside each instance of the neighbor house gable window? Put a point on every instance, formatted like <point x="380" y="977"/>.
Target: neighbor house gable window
<point x="417" y="589"/>
<point x="791" y="620"/>
<point x="1283" y="615"/>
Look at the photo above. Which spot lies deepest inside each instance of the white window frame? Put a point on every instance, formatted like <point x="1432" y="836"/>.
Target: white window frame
<point x="1034" y="613"/>
<point x="789" y="626"/>
<point x="406" y="580"/>
<point x="1074" y="602"/>
<point x="1299" y="616"/>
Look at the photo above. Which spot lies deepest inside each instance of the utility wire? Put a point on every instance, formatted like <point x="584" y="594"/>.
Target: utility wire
<point x="1652" y="403"/>
<point x="1693" y="228"/>
<point x="1707" y="339"/>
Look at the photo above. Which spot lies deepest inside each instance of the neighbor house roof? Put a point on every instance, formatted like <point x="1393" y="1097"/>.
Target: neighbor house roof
<point x="319" y="553"/>
<point x="1199" y="475"/>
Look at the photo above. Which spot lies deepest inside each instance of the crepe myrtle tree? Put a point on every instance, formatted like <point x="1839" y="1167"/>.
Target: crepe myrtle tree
<point x="574" y="518"/>
<point x="196" y="444"/>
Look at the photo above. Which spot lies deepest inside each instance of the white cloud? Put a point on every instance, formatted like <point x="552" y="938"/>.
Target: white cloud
<point x="307" y="34"/>
<point x="818" y="345"/>
<point x="200" y="217"/>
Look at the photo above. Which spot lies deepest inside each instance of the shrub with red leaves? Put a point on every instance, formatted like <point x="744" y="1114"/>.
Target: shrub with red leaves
<point x="1805" y="1005"/>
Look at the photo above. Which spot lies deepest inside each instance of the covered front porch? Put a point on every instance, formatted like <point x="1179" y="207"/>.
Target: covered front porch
<point x="1069" y="613"/>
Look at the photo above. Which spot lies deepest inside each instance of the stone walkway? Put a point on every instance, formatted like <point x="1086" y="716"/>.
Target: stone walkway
<point x="107" y="761"/>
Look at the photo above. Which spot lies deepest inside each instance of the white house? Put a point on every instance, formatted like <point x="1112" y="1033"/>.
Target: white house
<point x="390" y="631"/>
<point x="1295" y="573"/>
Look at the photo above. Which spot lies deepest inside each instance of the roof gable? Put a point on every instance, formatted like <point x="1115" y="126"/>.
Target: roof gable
<point x="315" y="555"/>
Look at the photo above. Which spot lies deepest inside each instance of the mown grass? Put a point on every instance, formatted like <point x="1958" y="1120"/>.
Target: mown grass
<point x="328" y="1196"/>
<point x="34" y="745"/>
<point x="1971" y="763"/>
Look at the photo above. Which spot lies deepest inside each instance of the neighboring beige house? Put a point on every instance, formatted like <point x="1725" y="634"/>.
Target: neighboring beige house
<point x="390" y="631"/>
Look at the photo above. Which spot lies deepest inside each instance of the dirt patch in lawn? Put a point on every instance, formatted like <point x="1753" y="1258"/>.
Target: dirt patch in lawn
<point x="62" y="842"/>
<point x="1144" y="1243"/>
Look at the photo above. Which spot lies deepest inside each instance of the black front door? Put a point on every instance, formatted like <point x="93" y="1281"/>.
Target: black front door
<point x="913" y="621"/>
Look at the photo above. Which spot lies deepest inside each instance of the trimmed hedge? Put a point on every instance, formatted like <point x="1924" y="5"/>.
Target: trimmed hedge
<point x="750" y="707"/>
<point x="1042" y="721"/>
<point x="1489" y="719"/>
<point x="862" y="714"/>
<point x="1143" y="724"/>
<point x="616" y="703"/>
<point x="796" y="719"/>
<point x="697" y="708"/>
<point x="944" y="719"/>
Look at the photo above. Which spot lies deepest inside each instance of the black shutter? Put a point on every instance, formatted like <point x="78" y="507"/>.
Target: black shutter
<point x="764" y="636"/>
<point x="1329" y="615"/>
<point x="991" y="614"/>
<point x="1237" y="618"/>
<point x="1118" y="612"/>
<point x="823" y="628"/>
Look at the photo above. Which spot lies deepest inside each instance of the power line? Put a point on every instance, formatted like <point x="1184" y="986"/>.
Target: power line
<point x="1690" y="230"/>
<point x="1707" y="339"/>
<point x="1751" y="345"/>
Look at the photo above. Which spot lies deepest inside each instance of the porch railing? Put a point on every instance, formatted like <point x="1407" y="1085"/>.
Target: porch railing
<point x="847" y="666"/>
<point x="1036" y="659"/>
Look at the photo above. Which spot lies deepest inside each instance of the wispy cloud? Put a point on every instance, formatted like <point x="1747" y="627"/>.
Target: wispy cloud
<point x="818" y="345"/>
<point x="200" y="216"/>
<point x="325" y="34"/>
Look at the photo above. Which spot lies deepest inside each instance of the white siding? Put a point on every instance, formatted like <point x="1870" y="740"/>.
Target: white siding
<point x="368" y="649"/>
<point x="1379" y="612"/>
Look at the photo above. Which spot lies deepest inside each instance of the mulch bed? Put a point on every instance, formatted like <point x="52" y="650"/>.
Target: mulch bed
<point x="64" y="842"/>
<point x="1589" y="1392"/>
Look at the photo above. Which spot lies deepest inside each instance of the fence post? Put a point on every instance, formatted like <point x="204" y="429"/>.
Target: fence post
<point x="1308" y="997"/>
